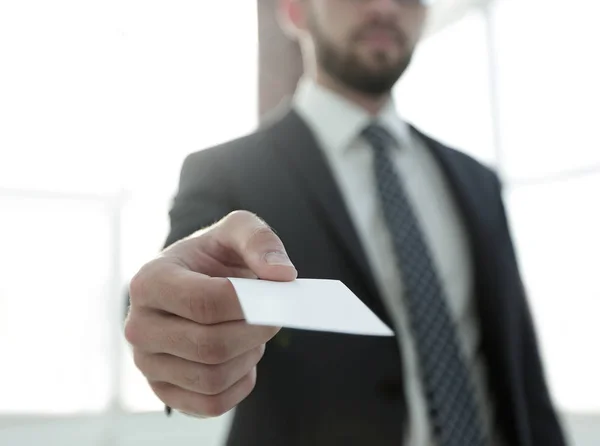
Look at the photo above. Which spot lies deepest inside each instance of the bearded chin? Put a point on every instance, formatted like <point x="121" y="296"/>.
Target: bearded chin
<point x="354" y="74"/>
<point x="350" y="71"/>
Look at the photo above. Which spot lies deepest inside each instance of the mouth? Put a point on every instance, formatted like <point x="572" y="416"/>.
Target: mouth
<point x="380" y="38"/>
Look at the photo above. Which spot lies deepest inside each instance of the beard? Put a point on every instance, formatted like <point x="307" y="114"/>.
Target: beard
<point x="346" y="66"/>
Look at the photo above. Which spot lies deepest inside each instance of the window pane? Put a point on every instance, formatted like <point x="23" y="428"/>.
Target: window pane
<point x="549" y="89"/>
<point x="54" y="294"/>
<point x="145" y="225"/>
<point x="189" y="84"/>
<point x="99" y="97"/>
<point x="446" y="89"/>
<point x="96" y="96"/>
<point x="557" y="232"/>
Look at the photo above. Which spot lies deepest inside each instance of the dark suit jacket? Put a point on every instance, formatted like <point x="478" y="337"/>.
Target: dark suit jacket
<point x="322" y="389"/>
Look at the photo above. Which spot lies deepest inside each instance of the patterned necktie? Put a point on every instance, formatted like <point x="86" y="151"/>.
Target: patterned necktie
<point x="451" y="401"/>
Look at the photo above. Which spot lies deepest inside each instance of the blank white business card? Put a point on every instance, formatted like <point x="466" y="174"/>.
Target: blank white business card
<point x="310" y="304"/>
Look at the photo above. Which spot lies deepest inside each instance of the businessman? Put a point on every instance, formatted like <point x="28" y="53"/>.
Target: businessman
<point x="336" y="185"/>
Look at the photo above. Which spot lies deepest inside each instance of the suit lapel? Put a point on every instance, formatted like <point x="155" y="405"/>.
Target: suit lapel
<point x="475" y="197"/>
<point x="494" y="306"/>
<point x="466" y="183"/>
<point x="297" y="144"/>
<point x="460" y="182"/>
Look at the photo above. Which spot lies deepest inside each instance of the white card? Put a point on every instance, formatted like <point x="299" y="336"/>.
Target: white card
<point x="310" y="304"/>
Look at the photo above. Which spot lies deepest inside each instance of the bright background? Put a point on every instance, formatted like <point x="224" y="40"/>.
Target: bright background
<point x="101" y="100"/>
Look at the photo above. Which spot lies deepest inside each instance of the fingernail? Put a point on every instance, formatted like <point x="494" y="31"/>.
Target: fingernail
<point x="278" y="258"/>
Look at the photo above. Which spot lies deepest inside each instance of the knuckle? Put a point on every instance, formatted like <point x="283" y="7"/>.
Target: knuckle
<point x="133" y="331"/>
<point x="271" y="332"/>
<point x="241" y="217"/>
<point x="137" y="287"/>
<point x="199" y="406"/>
<point x="140" y="361"/>
<point x="248" y="384"/>
<point x="263" y="238"/>
<point x="255" y="356"/>
<point x="261" y="351"/>
<point x="211" y="350"/>
<point x="172" y="342"/>
<point x="214" y="406"/>
<point x="214" y="381"/>
<point x="163" y="392"/>
<point x="139" y="283"/>
<point x="246" y="219"/>
<point x="251" y="381"/>
<point x="260" y="233"/>
<point x="193" y="381"/>
<point x="203" y="309"/>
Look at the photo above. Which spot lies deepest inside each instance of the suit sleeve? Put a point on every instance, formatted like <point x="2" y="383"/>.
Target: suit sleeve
<point x="202" y="198"/>
<point x="545" y="425"/>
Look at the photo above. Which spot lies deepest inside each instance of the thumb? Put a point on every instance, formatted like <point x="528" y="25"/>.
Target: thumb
<point x="256" y="243"/>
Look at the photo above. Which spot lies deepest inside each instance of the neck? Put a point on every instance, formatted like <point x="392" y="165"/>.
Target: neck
<point x="372" y="104"/>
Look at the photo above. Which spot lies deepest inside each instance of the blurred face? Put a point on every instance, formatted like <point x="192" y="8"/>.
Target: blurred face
<point x="363" y="44"/>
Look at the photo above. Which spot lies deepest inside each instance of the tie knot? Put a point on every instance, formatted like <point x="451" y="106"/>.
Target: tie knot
<point x="378" y="136"/>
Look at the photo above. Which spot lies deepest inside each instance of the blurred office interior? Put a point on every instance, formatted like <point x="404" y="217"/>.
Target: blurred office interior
<point x="101" y="100"/>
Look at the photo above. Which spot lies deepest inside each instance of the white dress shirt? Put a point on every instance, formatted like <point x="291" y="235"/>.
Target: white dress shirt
<point x="337" y="125"/>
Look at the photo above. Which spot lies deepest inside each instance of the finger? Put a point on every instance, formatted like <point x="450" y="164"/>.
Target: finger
<point x="205" y="405"/>
<point x="169" y="287"/>
<point x="256" y="243"/>
<point x="195" y="377"/>
<point x="153" y="332"/>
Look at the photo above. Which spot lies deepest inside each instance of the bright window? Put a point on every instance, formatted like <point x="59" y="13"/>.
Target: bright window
<point x="54" y="313"/>
<point x="556" y="230"/>
<point x="446" y="90"/>
<point x="99" y="103"/>
<point x="550" y="155"/>
<point x="548" y="152"/>
<point x="101" y="100"/>
<point x="549" y="87"/>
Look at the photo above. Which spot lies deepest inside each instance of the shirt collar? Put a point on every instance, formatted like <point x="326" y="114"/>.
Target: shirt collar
<point x="337" y="122"/>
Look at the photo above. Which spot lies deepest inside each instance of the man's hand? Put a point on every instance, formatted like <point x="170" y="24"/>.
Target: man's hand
<point x="186" y="325"/>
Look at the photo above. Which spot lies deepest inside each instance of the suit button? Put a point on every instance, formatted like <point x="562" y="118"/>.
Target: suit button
<point x="390" y="388"/>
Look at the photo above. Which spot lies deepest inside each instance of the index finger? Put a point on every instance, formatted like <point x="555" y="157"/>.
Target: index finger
<point x="190" y="295"/>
